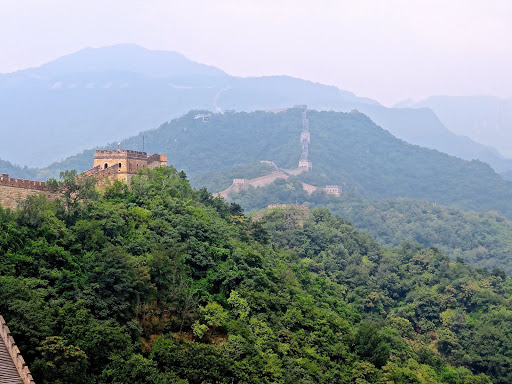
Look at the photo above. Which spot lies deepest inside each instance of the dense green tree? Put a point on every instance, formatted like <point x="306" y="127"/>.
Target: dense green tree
<point x="160" y="283"/>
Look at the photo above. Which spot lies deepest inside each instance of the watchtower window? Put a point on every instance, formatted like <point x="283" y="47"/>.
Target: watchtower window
<point x="137" y="167"/>
<point x="105" y="166"/>
<point x="119" y="165"/>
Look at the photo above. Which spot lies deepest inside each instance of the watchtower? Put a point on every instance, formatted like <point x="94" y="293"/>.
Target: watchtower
<point x="240" y="182"/>
<point x="125" y="162"/>
<point x="333" y="190"/>
<point x="305" y="164"/>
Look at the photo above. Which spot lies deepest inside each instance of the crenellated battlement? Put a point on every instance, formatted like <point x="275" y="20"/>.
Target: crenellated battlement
<point x="273" y="206"/>
<point x="22" y="183"/>
<point x="13" y="368"/>
<point x="99" y="172"/>
<point x="127" y="153"/>
<point x="156" y="160"/>
<point x="129" y="162"/>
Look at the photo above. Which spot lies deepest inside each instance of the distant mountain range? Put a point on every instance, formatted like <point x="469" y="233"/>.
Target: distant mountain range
<point x="101" y="95"/>
<point x="486" y="119"/>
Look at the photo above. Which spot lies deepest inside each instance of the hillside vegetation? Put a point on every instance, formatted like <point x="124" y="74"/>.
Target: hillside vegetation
<point x="166" y="284"/>
<point x="483" y="239"/>
<point x="346" y="149"/>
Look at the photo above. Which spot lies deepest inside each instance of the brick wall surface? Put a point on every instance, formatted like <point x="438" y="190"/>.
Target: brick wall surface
<point x="10" y="196"/>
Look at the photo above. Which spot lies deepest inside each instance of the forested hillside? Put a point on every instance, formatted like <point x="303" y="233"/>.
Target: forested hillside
<point x="162" y="283"/>
<point x="346" y="149"/>
<point x="483" y="239"/>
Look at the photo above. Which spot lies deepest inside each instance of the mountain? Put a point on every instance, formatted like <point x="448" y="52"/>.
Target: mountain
<point x="123" y="58"/>
<point x="95" y="96"/>
<point x="486" y="119"/>
<point x="422" y="127"/>
<point x="161" y="283"/>
<point x="346" y="149"/>
<point x="101" y="95"/>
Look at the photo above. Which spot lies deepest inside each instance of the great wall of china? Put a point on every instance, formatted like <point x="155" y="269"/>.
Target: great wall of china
<point x="109" y="165"/>
<point x="281" y="173"/>
<point x="12" y="365"/>
<point x="13" y="190"/>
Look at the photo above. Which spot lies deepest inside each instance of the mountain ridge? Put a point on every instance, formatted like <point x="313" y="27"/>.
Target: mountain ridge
<point x="71" y="112"/>
<point x="486" y="119"/>
<point x="346" y="149"/>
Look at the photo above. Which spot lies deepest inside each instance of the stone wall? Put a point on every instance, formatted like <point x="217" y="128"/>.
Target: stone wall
<point x="122" y="163"/>
<point x="309" y="188"/>
<point x="241" y="184"/>
<point x="295" y="172"/>
<point x="305" y="164"/>
<point x="6" y="338"/>
<point x="333" y="190"/>
<point x="266" y="180"/>
<point x="5" y="180"/>
<point x="273" y="206"/>
<point x="157" y="160"/>
<point x="14" y="190"/>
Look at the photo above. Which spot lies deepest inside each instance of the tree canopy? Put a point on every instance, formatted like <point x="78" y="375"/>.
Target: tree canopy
<point x="162" y="283"/>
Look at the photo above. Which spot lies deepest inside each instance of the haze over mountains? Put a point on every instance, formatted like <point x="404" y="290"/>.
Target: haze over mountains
<point x="102" y="95"/>
<point x="486" y="119"/>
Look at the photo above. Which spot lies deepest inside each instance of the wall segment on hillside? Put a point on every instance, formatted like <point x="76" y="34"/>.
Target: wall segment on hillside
<point x="12" y="365"/>
<point x="13" y="190"/>
<point x="109" y="165"/>
<point x="280" y="173"/>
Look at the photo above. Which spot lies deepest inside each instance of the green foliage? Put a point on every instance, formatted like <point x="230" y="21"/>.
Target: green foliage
<point x="483" y="239"/>
<point x="213" y="314"/>
<point x="160" y="283"/>
<point x="60" y="362"/>
<point x="371" y="345"/>
<point x="346" y="149"/>
<point x="239" y="304"/>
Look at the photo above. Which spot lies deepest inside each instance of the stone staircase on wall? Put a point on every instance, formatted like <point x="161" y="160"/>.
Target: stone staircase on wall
<point x="8" y="372"/>
<point x="13" y="369"/>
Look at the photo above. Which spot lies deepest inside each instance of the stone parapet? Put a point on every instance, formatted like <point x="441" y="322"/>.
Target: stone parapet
<point x="156" y="160"/>
<point x="107" y="154"/>
<point x="333" y="190"/>
<point x="272" y="206"/>
<point x="22" y="183"/>
<point x="14" y="352"/>
<point x="305" y="164"/>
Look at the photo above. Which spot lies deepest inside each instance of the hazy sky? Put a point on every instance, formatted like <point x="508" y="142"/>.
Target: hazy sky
<point x="385" y="49"/>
